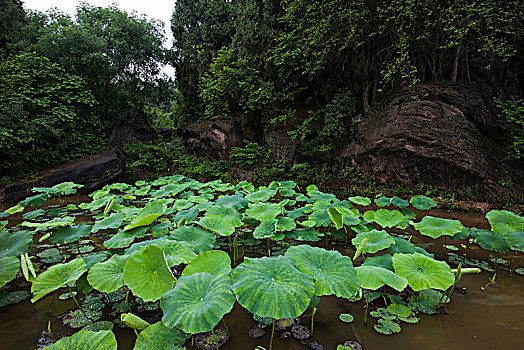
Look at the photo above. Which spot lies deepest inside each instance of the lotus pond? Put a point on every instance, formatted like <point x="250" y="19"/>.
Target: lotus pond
<point x="176" y="263"/>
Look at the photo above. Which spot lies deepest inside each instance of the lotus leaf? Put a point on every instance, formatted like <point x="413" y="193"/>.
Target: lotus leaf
<point x="515" y="239"/>
<point x="503" y="221"/>
<point x="375" y="241"/>
<point x="158" y="336"/>
<point x="399" y="310"/>
<point x="336" y="217"/>
<point x="261" y="195"/>
<point x="34" y="201"/>
<point x="332" y="272"/>
<point x="360" y="200"/>
<point x="57" y="276"/>
<point x="266" y="229"/>
<point x="13" y="297"/>
<point x="285" y="223"/>
<point x="374" y="277"/>
<point x="422" y="202"/>
<point x="120" y="240"/>
<point x="380" y="261"/>
<point x="423" y="272"/>
<point x="286" y="291"/>
<point x="198" y="302"/>
<point x="86" y="340"/>
<point x="31" y="215"/>
<point x="492" y="241"/>
<point x="308" y="235"/>
<point x="406" y="247"/>
<point x="233" y="216"/>
<point x="238" y="202"/>
<point x="133" y="321"/>
<point x="93" y="259"/>
<point x="321" y="218"/>
<point x="348" y="318"/>
<point x="436" y="227"/>
<point x="99" y="326"/>
<point x="214" y="261"/>
<point x="399" y="202"/>
<point x="369" y="216"/>
<point x="16" y="243"/>
<point x="108" y="276"/>
<point x="388" y="218"/>
<point x="147" y="274"/>
<point x="51" y="224"/>
<point x="70" y="234"/>
<point x="217" y="224"/>
<point x="263" y="211"/>
<point x="148" y="215"/>
<point x="199" y="239"/>
<point x="383" y="201"/>
<point x="9" y="266"/>
<point x="387" y="327"/>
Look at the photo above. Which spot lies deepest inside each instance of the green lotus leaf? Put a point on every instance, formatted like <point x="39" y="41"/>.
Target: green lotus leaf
<point x="148" y="275"/>
<point x="70" y="234"/>
<point x="492" y="241"/>
<point x="266" y="229"/>
<point x="515" y="239"/>
<point x="336" y="217"/>
<point x="423" y="272"/>
<point x="503" y="221"/>
<point x="360" y="200"/>
<point x="332" y="272"/>
<point x="181" y="204"/>
<point x="399" y="310"/>
<point x="261" y="195"/>
<point x="112" y="221"/>
<point x="217" y="224"/>
<point x="263" y="211"/>
<point x="214" y="261"/>
<point x="286" y="224"/>
<point x="272" y="287"/>
<point x="148" y="215"/>
<point x="348" y="318"/>
<point x="33" y="214"/>
<point x="99" y="326"/>
<point x="199" y="239"/>
<point x="51" y="224"/>
<point x="134" y="322"/>
<point x="108" y="276"/>
<point x="399" y="202"/>
<point x="93" y="259"/>
<point x="57" y="276"/>
<point x="321" y="218"/>
<point x="34" y="201"/>
<point x="86" y="340"/>
<point x="230" y="214"/>
<point x="13" y="297"/>
<point x="388" y="218"/>
<point x="169" y="190"/>
<point x="369" y="215"/>
<point x="9" y="266"/>
<point x="238" y="202"/>
<point x="176" y="252"/>
<point x="120" y="240"/>
<point x="383" y="201"/>
<point x="350" y="217"/>
<point x="375" y="241"/>
<point x="308" y="235"/>
<point x="158" y="336"/>
<point x="422" y="202"/>
<point x="375" y="277"/>
<point x="189" y="215"/>
<point x="198" y="302"/>
<point x="383" y="261"/>
<point x="387" y="327"/>
<point x="16" y="243"/>
<point x="403" y="246"/>
<point x="436" y="227"/>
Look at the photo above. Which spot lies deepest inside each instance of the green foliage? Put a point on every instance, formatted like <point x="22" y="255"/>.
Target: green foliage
<point x="45" y="116"/>
<point x="11" y="20"/>
<point x="251" y="154"/>
<point x="513" y="122"/>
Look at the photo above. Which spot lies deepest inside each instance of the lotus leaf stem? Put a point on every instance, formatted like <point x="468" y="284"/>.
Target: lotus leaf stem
<point x="367" y="305"/>
<point x="215" y="338"/>
<point x="521" y="259"/>
<point x="77" y="304"/>
<point x="225" y="326"/>
<point x="313" y="318"/>
<point x="50" y="331"/>
<point x="272" y="334"/>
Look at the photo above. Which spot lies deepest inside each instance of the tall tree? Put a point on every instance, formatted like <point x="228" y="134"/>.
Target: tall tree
<point x="11" y="20"/>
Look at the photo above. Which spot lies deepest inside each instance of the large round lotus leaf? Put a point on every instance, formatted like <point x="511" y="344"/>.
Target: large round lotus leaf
<point x="199" y="239"/>
<point x="217" y="224"/>
<point x="263" y="211"/>
<point x="189" y="215"/>
<point x="16" y="243"/>
<point x="158" y="336"/>
<point x="86" y="340"/>
<point x="375" y="241"/>
<point x="120" y="240"/>
<point x="238" y="202"/>
<point x="332" y="272"/>
<point x="272" y="287"/>
<point x="70" y="234"/>
<point x="360" y="200"/>
<point x="423" y="272"/>
<point x="503" y="221"/>
<point x="51" y="224"/>
<point x="422" y="202"/>
<point x="383" y="201"/>
<point x="266" y="229"/>
<point x="388" y="218"/>
<point x="176" y="252"/>
<point x="286" y="224"/>
<point x="374" y="277"/>
<point x="147" y="274"/>
<point x="228" y="213"/>
<point x="399" y="202"/>
<point x="383" y="261"/>
<point x="436" y="227"/>
<point x="261" y="195"/>
<point x="108" y="276"/>
<point x="515" y="239"/>
<point x="9" y="266"/>
<point x="34" y="201"/>
<point x="57" y="276"/>
<point x="112" y="221"/>
<point x="350" y="217"/>
<point x="307" y="235"/>
<point x="214" y="261"/>
<point x="150" y="213"/>
<point x="198" y="302"/>
<point x="32" y="214"/>
<point x="492" y="241"/>
<point x="403" y="246"/>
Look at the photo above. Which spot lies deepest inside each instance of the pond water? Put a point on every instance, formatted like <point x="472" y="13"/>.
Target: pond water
<point x="476" y="318"/>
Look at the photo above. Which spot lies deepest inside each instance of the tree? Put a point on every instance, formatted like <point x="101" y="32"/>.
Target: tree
<point x="118" y="54"/>
<point x="45" y="116"/>
<point x="11" y="20"/>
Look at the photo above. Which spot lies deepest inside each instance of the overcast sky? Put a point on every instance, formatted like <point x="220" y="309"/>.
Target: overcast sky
<point x="157" y="9"/>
